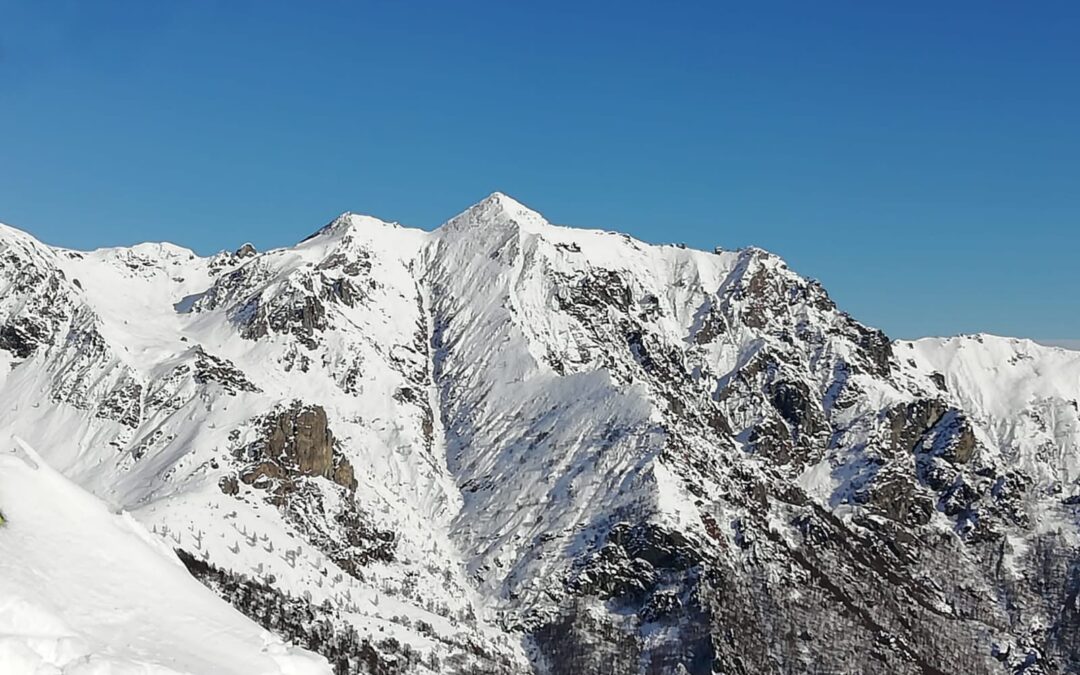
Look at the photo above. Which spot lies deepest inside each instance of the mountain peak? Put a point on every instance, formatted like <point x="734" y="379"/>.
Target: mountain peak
<point x="503" y="200"/>
<point x="349" y="221"/>
<point x="496" y="210"/>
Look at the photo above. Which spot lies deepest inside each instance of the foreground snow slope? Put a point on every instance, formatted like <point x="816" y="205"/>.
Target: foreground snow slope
<point x="505" y="446"/>
<point x="86" y="591"/>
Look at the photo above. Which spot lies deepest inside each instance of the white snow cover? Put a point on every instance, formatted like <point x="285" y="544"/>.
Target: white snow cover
<point x="84" y="591"/>
<point x="494" y="431"/>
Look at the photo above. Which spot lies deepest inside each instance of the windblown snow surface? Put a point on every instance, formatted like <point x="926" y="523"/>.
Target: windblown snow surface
<point x="505" y="446"/>
<point x="87" y="591"/>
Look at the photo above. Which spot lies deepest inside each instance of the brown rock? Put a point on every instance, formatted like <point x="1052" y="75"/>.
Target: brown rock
<point x="262" y="470"/>
<point x="344" y="475"/>
<point x="301" y="439"/>
<point x="229" y="485"/>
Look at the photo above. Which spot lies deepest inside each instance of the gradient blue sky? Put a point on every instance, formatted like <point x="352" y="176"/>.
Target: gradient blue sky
<point x="922" y="159"/>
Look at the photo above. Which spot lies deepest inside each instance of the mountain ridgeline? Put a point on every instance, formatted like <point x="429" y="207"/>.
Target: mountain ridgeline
<point x="505" y="446"/>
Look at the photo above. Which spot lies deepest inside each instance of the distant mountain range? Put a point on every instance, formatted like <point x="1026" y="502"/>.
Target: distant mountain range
<point x="1067" y="344"/>
<point x="506" y="446"/>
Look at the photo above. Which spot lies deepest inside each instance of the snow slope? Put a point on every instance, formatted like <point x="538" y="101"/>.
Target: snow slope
<point x="86" y="591"/>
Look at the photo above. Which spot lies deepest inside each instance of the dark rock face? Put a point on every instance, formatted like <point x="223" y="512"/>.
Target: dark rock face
<point x="711" y="326"/>
<point x="578" y="642"/>
<point x="650" y="580"/>
<point x="229" y="485"/>
<point x="628" y="564"/>
<point x="123" y="404"/>
<point x="876" y="346"/>
<point x="844" y="602"/>
<point x="771" y="438"/>
<point x="39" y="302"/>
<point x="21" y="338"/>
<point x="299" y="314"/>
<point x="939" y="381"/>
<point x="802" y="413"/>
<point x="297" y="442"/>
<point x="873" y="598"/>
<point x="300" y="438"/>
<point x="210" y="368"/>
<point x="246" y="251"/>
<point x="300" y="310"/>
<point x="909" y="424"/>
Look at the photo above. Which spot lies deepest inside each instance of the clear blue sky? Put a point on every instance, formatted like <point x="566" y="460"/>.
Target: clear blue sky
<point x="922" y="159"/>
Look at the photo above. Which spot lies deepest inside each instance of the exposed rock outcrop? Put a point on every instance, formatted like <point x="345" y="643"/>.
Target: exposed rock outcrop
<point x="297" y="442"/>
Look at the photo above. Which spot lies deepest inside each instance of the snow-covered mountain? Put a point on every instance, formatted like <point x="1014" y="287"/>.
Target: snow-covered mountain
<point x="506" y="446"/>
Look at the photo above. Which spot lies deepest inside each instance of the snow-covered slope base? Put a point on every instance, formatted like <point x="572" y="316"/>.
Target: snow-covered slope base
<point x="506" y="446"/>
<point x="87" y="592"/>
